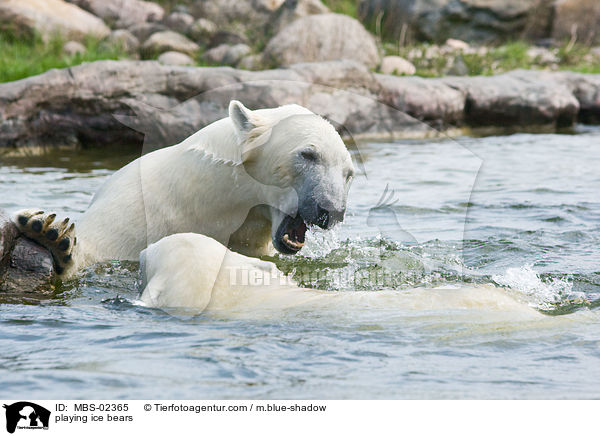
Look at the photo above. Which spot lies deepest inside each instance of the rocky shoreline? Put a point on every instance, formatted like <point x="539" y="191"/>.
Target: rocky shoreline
<point x="117" y="102"/>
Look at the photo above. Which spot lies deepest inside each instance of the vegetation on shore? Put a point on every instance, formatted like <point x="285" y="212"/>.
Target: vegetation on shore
<point x="22" y="58"/>
<point x="432" y="60"/>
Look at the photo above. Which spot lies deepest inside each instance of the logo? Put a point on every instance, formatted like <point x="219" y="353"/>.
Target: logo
<point x="26" y="415"/>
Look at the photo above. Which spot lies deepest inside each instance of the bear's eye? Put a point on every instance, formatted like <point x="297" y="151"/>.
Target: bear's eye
<point x="309" y="154"/>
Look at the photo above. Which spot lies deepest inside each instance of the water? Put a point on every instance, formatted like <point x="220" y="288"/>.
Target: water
<point x="520" y="212"/>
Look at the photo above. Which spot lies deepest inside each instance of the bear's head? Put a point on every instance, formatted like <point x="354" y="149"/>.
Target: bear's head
<point x="291" y="147"/>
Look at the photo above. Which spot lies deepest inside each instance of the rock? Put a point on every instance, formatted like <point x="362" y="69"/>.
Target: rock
<point x="25" y="267"/>
<point x="237" y="16"/>
<point x="542" y="56"/>
<point x="179" y="22"/>
<point x="143" y="31"/>
<point x="202" y="30"/>
<point x="129" y="102"/>
<point x="291" y="10"/>
<point x="73" y="48"/>
<point x="8" y="235"/>
<point x="225" y="37"/>
<point x="175" y="58"/>
<point x="226" y="54"/>
<point x="516" y="99"/>
<point x="428" y="100"/>
<point x="467" y="20"/>
<point x="251" y="62"/>
<point x="397" y="65"/>
<point x="125" y="40"/>
<point x="25" y="18"/>
<point x="169" y="41"/>
<point x="456" y="45"/>
<point x="30" y="269"/>
<point x="123" y="13"/>
<point x="457" y="67"/>
<point x="577" y="18"/>
<point x="322" y="37"/>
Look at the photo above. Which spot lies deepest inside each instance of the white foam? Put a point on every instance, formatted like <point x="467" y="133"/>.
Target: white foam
<point x="536" y="292"/>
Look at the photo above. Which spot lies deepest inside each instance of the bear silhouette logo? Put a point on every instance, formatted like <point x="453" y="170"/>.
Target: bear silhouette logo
<point x="26" y="415"/>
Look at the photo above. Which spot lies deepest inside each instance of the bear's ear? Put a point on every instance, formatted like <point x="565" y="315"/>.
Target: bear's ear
<point x="251" y="130"/>
<point x="241" y="117"/>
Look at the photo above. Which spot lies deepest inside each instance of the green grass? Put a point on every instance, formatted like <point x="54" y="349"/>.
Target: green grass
<point x="20" y="59"/>
<point x="494" y="60"/>
<point x="346" y="7"/>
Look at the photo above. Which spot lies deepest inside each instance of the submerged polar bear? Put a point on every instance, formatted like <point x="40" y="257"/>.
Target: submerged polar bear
<point x="252" y="181"/>
<point x="189" y="274"/>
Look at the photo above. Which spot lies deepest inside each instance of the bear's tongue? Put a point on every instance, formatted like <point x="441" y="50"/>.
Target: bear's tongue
<point x="294" y="233"/>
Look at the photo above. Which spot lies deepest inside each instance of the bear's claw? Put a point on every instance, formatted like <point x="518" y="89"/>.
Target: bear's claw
<point x="58" y="237"/>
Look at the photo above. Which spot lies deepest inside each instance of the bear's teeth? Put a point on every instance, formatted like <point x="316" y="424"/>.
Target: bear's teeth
<point x="294" y="244"/>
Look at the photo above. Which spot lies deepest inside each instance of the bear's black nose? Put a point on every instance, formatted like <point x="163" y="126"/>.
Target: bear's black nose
<point x="327" y="217"/>
<point x="322" y="217"/>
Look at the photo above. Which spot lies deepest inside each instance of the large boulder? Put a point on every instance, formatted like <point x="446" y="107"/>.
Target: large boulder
<point x="168" y="40"/>
<point x="323" y="37"/>
<point x="123" y="13"/>
<point x="237" y="16"/>
<point x="518" y="98"/>
<point x="431" y="101"/>
<point x="175" y="58"/>
<point x="577" y="19"/>
<point x="26" y="18"/>
<point x="291" y="10"/>
<point x="255" y="18"/>
<point x="469" y="20"/>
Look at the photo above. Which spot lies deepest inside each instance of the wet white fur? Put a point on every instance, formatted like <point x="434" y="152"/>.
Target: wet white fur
<point x="201" y="186"/>
<point x="191" y="273"/>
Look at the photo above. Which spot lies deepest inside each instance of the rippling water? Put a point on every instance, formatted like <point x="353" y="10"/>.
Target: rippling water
<point x="521" y="212"/>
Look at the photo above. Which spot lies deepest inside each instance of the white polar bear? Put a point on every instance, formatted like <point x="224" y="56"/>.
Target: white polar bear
<point x="251" y="181"/>
<point x="189" y="274"/>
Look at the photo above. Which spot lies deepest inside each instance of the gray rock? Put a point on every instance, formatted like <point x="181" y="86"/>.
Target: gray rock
<point x="179" y="22"/>
<point x="237" y="16"/>
<point x="226" y="54"/>
<point x="431" y="101"/>
<point x="251" y="62"/>
<point x="397" y="65"/>
<point x="124" y="39"/>
<point x="322" y="37"/>
<point x="291" y="10"/>
<point x="226" y="37"/>
<point x="202" y="30"/>
<point x="73" y="48"/>
<point x="457" y="67"/>
<point x="123" y="13"/>
<point x="129" y="102"/>
<point x="175" y="58"/>
<point x="143" y="31"/>
<point x="169" y="41"/>
<point x="576" y="19"/>
<point x="25" y="267"/>
<point x="516" y="99"/>
<point x="8" y="235"/>
<point x="26" y="18"/>
<point x="30" y="269"/>
<point x="468" y="20"/>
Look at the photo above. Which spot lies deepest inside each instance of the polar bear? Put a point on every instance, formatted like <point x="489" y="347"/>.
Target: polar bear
<point x="252" y="181"/>
<point x="189" y="274"/>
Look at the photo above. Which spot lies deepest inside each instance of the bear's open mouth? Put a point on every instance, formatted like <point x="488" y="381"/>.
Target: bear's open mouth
<point x="290" y="235"/>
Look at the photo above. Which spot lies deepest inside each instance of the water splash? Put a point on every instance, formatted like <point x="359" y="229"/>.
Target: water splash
<point x="543" y="294"/>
